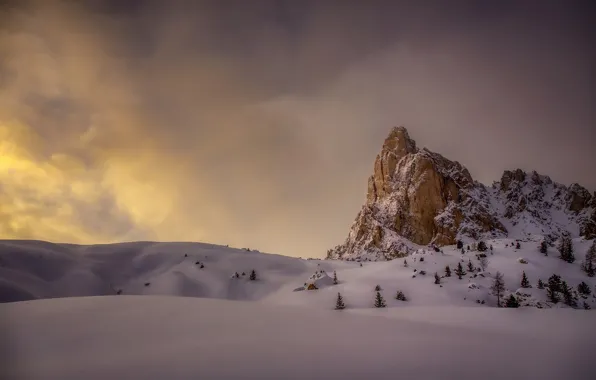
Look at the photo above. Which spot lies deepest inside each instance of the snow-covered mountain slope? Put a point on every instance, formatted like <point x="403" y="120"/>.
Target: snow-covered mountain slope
<point x="418" y="197"/>
<point x="158" y="338"/>
<point x="31" y="270"/>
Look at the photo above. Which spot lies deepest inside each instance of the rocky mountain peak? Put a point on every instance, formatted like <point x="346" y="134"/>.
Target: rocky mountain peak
<point x="418" y="197"/>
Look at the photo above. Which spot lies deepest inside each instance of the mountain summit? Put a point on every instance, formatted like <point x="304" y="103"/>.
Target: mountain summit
<point x="418" y="197"/>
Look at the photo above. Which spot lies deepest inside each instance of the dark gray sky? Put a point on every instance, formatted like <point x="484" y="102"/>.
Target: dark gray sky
<point x="256" y="123"/>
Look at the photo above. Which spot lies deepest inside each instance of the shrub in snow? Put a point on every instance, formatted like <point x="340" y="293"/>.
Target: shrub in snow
<point x="468" y="247"/>
<point x="423" y="272"/>
<point x="462" y="250"/>
<point x="379" y="300"/>
<point x="544" y="248"/>
<point x="482" y="302"/>
<point x="565" y="248"/>
<point x="437" y="279"/>
<point x="589" y="263"/>
<point x="243" y="273"/>
<point x="186" y="255"/>
<point x="339" y="304"/>
<point x="119" y="291"/>
<point x="335" y="282"/>
<point x="460" y="244"/>
<point x="498" y="287"/>
<point x="524" y="281"/>
<point x="517" y="245"/>
<point x="470" y="266"/>
<point x="378" y="288"/>
<point x="421" y="259"/>
<point x="540" y="284"/>
<point x="253" y="275"/>
<point x="147" y="283"/>
<point x="405" y="263"/>
<point x="521" y="260"/>
<point x="512" y="302"/>
<point x="586" y="306"/>
<point x="400" y="296"/>
<point x="197" y="263"/>
<point x="459" y="271"/>
<point x="482" y="246"/>
<point x="584" y="289"/>
<point x="202" y="266"/>
<point x="447" y="271"/>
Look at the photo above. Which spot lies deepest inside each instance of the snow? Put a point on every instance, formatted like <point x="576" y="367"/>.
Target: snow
<point x="152" y="337"/>
<point x="213" y="326"/>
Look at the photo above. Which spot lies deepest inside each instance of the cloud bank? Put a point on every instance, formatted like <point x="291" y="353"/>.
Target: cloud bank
<point x="257" y="124"/>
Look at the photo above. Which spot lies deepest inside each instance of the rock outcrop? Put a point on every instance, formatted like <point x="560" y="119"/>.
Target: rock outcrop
<point x="417" y="197"/>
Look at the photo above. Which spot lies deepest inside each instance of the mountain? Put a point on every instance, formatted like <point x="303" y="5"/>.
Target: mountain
<point x="417" y="197"/>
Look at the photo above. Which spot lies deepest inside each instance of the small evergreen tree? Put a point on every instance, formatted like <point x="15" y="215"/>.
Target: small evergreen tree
<point x="544" y="248"/>
<point x="460" y="244"/>
<point x="584" y="289"/>
<point x="462" y="250"/>
<point x="498" y="287"/>
<point x="339" y="304"/>
<point x="553" y="288"/>
<point x="437" y="279"/>
<point x="482" y="246"/>
<point x="378" y="288"/>
<point x="491" y="247"/>
<point x="379" y="300"/>
<point x="447" y="271"/>
<point x="468" y="247"/>
<point x="565" y="248"/>
<point x="400" y="296"/>
<point x="405" y="263"/>
<point x="540" y="284"/>
<point x="335" y="282"/>
<point x="569" y="297"/>
<point x="517" y="245"/>
<point x="459" y="271"/>
<point x="512" y="302"/>
<point x="470" y="266"/>
<point x="586" y="306"/>
<point x="589" y="263"/>
<point x="524" y="281"/>
<point x="253" y="275"/>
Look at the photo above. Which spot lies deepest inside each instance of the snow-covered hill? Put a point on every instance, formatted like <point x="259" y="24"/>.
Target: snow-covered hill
<point x="227" y="326"/>
<point x="154" y="337"/>
<point x="31" y="270"/>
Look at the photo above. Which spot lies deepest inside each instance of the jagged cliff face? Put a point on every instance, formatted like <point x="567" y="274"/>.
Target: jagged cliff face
<point x="417" y="197"/>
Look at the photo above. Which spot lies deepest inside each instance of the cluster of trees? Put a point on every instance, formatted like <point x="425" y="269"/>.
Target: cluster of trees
<point x="379" y="301"/>
<point x="565" y="248"/>
<point x="589" y="263"/>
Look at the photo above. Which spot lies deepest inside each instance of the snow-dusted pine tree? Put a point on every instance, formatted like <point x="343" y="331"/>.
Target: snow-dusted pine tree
<point x="589" y="263"/>
<point x="253" y="275"/>
<point x="379" y="300"/>
<point x="400" y="296"/>
<point x="339" y="304"/>
<point x="335" y="282"/>
<point x="565" y="248"/>
<point x="447" y="271"/>
<point x="524" y="281"/>
<point x="498" y="287"/>
<point x="437" y="279"/>
<point x="459" y="271"/>
<point x="512" y="302"/>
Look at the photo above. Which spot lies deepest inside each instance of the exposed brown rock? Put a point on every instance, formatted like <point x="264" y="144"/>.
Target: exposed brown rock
<point x="418" y="196"/>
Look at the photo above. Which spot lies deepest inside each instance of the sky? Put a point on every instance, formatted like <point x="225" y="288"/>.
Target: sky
<point x="256" y="123"/>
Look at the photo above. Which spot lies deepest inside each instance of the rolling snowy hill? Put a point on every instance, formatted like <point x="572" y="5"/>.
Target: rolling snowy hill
<point x="158" y="338"/>
<point x="31" y="270"/>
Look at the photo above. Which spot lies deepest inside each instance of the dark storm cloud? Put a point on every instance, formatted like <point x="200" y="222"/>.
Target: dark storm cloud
<point x="256" y="123"/>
